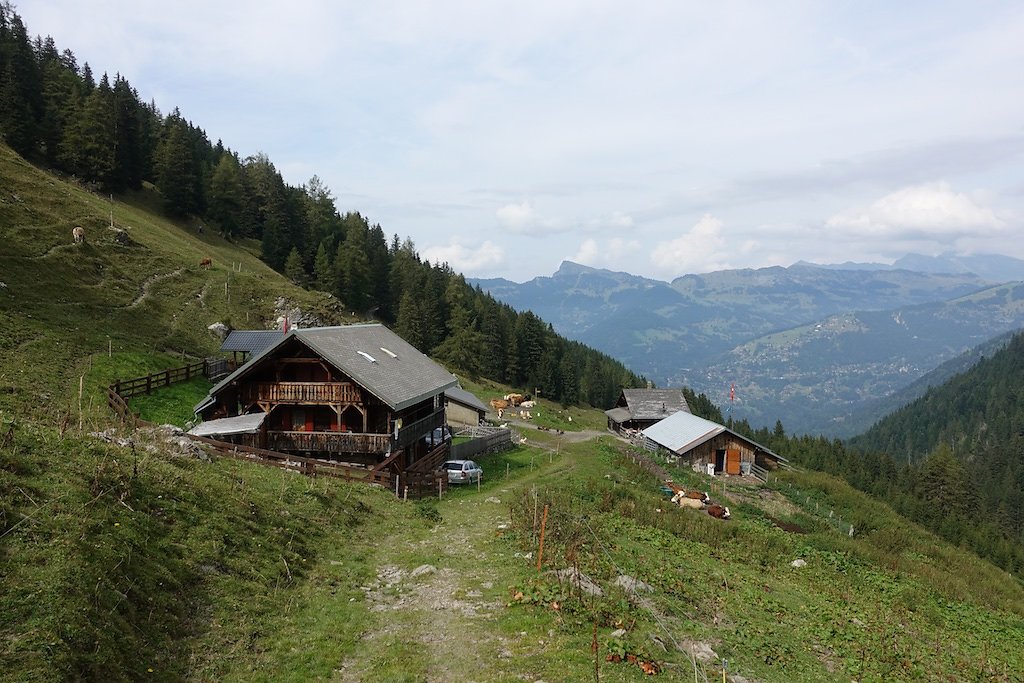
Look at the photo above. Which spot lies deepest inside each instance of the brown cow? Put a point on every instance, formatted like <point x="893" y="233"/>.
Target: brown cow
<point x="206" y="263"/>
<point x="702" y="496"/>
<point x="718" y="511"/>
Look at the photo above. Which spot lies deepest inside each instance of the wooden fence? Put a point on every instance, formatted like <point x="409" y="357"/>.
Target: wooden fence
<point x="492" y="442"/>
<point x="210" y="367"/>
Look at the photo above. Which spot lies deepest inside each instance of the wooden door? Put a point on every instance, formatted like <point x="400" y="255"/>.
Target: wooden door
<point x="732" y="461"/>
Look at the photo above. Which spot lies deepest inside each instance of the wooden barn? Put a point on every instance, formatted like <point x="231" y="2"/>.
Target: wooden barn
<point x="463" y="408"/>
<point x="638" y="409"/>
<point x="357" y="393"/>
<point x="709" y="446"/>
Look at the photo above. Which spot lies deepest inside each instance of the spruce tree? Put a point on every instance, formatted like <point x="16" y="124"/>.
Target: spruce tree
<point x="323" y="271"/>
<point x="225" y="196"/>
<point x="293" y="268"/>
<point x="175" y="168"/>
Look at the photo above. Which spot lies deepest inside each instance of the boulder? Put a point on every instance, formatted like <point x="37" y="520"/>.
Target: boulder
<point x="219" y="329"/>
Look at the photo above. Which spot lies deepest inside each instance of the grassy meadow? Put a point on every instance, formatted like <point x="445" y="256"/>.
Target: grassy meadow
<point x="124" y="557"/>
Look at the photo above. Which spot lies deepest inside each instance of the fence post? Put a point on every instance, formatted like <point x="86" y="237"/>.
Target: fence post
<point x="149" y="382"/>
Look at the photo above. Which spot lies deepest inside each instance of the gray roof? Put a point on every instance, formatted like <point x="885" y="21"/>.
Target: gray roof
<point x="654" y="404"/>
<point x="250" y="341"/>
<point x="240" y="424"/>
<point x="460" y="395"/>
<point x="682" y="432"/>
<point x="619" y="415"/>
<point x="374" y="357"/>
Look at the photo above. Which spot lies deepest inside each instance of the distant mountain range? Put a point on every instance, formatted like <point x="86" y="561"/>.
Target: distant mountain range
<point x="808" y="344"/>
<point x="992" y="267"/>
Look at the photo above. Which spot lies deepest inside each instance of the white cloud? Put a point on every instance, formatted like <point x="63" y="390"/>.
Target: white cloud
<point x="616" y="220"/>
<point x="519" y="218"/>
<point x="616" y="254"/>
<point x="932" y="210"/>
<point x="471" y="261"/>
<point x="588" y="253"/>
<point x="523" y="219"/>
<point x="701" y="249"/>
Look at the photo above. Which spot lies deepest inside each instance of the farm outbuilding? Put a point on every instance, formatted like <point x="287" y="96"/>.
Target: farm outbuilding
<point x="249" y="342"/>
<point x="706" y="445"/>
<point x="463" y="408"/>
<point x="638" y="409"/>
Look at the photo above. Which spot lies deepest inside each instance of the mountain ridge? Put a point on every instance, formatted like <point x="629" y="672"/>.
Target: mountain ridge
<point x="672" y="331"/>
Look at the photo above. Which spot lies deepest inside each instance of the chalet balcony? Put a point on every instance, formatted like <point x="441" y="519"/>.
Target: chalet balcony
<point x="301" y="392"/>
<point x="328" y="442"/>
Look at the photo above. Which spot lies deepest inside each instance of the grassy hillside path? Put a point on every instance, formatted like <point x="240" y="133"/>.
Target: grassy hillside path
<point x="437" y="601"/>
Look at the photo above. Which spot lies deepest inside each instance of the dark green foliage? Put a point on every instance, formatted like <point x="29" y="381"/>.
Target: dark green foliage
<point x="323" y="273"/>
<point x="293" y="268"/>
<point x="226" y="195"/>
<point x="177" y="175"/>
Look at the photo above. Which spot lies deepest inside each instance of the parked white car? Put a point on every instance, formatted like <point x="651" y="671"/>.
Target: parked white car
<point x="462" y="471"/>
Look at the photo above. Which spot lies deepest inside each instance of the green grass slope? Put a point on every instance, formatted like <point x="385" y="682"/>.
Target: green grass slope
<point x="126" y="557"/>
<point x="140" y="562"/>
<point x="105" y="310"/>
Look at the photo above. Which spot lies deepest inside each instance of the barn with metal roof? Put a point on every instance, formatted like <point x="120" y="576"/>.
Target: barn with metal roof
<point x="709" y="446"/>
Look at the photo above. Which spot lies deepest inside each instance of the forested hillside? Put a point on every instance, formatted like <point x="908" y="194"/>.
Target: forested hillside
<point x="55" y="113"/>
<point x="977" y="419"/>
<point x="952" y="460"/>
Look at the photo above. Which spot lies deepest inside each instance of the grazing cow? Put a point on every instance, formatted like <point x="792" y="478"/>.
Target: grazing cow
<point x="719" y="512"/>
<point x="79" y="234"/>
<point x="682" y="501"/>
<point x="499" y="404"/>
<point x="206" y="263"/>
<point x="514" y="399"/>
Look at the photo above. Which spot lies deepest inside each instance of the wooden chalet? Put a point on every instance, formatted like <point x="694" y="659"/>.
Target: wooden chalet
<point x="357" y="394"/>
<point x="638" y="409"/>
<point x="708" y="446"/>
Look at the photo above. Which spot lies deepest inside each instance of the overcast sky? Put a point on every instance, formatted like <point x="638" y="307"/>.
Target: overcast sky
<point x="659" y="138"/>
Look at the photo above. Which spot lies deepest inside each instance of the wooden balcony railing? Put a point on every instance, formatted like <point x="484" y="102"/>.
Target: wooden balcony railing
<point x="328" y="442"/>
<point x="301" y="392"/>
<point x="413" y="431"/>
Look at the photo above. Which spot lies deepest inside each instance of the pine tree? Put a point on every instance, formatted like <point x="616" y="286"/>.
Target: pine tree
<point x="293" y="268"/>
<point x="225" y="196"/>
<point x="87" y="148"/>
<point x="176" y="168"/>
<point x="354" y="270"/>
<point x="464" y="344"/>
<point x="410" y="321"/>
<point x="323" y="269"/>
<point x="130" y="152"/>
<point x="15" y="115"/>
<point x="20" y="86"/>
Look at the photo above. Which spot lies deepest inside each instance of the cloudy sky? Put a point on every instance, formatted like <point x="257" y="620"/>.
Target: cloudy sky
<point x="659" y="138"/>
